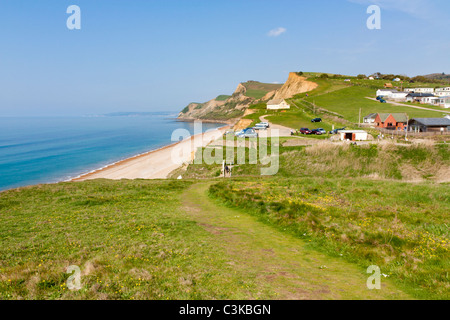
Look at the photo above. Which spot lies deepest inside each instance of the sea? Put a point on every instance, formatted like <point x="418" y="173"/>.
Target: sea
<point x="36" y="150"/>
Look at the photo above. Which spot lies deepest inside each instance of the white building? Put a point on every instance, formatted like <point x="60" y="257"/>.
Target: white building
<point x="398" y="96"/>
<point x="353" y="135"/>
<point x="442" y="92"/>
<point x="277" y="104"/>
<point x="370" y="118"/>
<point x="429" y="100"/>
<point x="385" y="92"/>
<point x="424" y="90"/>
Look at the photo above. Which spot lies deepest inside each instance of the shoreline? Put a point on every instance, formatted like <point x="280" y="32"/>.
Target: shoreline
<point x="154" y="164"/>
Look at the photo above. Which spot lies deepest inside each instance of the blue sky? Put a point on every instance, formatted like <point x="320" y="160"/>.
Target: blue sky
<point x="148" y="55"/>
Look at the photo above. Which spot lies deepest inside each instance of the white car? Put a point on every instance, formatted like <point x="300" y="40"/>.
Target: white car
<point x="247" y="133"/>
<point x="260" y="126"/>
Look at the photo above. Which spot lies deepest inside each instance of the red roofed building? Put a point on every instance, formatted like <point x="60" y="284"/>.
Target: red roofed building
<point x="394" y="121"/>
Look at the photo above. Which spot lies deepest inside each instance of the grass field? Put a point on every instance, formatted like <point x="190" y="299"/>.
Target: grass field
<point x="257" y="90"/>
<point x="131" y="240"/>
<point x="402" y="228"/>
<point x="158" y="240"/>
<point x="223" y="97"/>
<point x="348" y="101"/>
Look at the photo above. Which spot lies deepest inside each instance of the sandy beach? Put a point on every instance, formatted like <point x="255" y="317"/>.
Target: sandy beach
<point x="157" y="164"/>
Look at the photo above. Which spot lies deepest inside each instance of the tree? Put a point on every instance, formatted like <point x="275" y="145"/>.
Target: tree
<point x="361" y="76"/>
<point x="420" y="79"/>
<point x="324" y="76"/>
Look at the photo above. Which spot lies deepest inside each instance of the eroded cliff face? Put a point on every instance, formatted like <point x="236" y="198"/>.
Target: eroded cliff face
<point x="229" y="109"/>
<point x="294" y="85"/>
<point x="235" y="106"/>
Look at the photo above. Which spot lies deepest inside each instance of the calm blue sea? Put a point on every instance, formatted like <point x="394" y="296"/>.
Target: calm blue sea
<point x="45" y="150"/>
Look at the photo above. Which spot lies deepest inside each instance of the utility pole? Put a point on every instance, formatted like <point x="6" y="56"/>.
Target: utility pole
<point x="359" y="123"/>
<point x="407" y="127"/>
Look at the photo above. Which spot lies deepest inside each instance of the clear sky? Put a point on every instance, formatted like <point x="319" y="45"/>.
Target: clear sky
<point x="156" y="55"/>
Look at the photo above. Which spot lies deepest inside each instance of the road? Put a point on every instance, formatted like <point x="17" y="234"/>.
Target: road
<point x="275" y="130"/>
<point x="409" y="106"/>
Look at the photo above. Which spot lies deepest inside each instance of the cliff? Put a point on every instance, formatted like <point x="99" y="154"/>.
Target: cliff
<point x="294" y="85"/>
<point x="230" y="108"/>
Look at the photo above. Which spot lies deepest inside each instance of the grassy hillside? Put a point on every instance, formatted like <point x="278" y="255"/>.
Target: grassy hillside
<point x="402" y="228"/>
<point x="223" y="97"/>
<point x="314" y="158"/>
<point x="338" y="103"/>
<point x="257" y="90"/>
<point x="158" y="240"/>
<point x="131" y="240"/>
<point x="348" y="101"/>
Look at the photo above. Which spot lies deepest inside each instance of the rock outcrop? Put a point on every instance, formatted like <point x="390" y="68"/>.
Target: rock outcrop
<point x="294" y="85"/>
<point x="230" y="109"/>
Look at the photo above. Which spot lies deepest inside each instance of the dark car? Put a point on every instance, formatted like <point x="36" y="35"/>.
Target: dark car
<point x="383" y="101"/>
<point x="316" y="120"/>
<point x="305" y="131"/>
<point x="336" y="131"/>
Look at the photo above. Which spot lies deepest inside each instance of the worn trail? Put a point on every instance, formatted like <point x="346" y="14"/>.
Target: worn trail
<point x="279" y="262"/>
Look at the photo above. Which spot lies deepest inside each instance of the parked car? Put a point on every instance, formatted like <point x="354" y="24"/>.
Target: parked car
<point x="316" y="120"/>
<point x="247" y="133"/>
<point x="266" y="124"/>
<point x="305" y="131"/>
<point x="383" y="101"/>
<point x="318" y="131"/>
<point x="379" y="98"/>
<point x="336" y="131"/>
<point x="228" y="132"/>
<point x="260" y="126"/>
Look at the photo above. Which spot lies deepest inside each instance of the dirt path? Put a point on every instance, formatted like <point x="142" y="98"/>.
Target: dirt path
<point x="281" y="130"/>
<point x="409" y="106"/>
<point x="278" y="262"/>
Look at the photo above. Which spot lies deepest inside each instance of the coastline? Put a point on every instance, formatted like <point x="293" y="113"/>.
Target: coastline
<point x="154" y="164"/>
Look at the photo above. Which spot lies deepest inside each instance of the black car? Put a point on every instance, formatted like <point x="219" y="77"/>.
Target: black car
<point x="316" y="120"/>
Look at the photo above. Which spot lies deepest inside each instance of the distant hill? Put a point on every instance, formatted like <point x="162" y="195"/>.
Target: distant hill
<point x="226" y="107"/>
<point x="137" y="114"/>
<point x="438" y="76"/>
